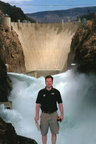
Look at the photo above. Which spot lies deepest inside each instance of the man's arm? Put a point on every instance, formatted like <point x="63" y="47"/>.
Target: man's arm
<point x="37" y="112"/>
<point x="61" y="108"/>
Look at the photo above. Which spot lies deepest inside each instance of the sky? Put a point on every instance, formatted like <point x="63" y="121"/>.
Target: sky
<point x="32" y="6"/>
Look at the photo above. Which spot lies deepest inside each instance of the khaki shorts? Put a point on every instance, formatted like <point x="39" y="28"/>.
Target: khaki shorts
<point x="49" y="121"/>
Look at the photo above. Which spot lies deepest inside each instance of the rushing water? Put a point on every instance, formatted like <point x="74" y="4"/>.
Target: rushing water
<point x="79" y="98"/>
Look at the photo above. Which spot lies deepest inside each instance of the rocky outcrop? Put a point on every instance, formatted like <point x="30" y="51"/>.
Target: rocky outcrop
<point x="11" y="50"/>
<point x="83" y="47"/>
<point x="9" y="136"/>
<point x="5" y="85"/>
<point x="7" y="133"/>
<point x="14" y="12"/>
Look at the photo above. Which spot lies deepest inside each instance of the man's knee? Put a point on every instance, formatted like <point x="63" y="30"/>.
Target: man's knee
<point x="43" y="135"/>
<point x="54" y="135"/>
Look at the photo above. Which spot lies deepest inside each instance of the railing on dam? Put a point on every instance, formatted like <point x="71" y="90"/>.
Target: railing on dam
<point x="67" y="25"/>
<point x="39" y="73"/>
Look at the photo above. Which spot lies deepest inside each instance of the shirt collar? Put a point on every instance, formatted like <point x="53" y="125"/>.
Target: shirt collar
<point x="49" y="90"/>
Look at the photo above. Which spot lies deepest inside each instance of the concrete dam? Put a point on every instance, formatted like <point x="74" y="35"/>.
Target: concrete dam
<point x="45" y="46"/>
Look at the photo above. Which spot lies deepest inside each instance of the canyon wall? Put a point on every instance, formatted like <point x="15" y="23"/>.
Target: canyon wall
<point x="11" y="50"/>
<point x="83" y="47"/>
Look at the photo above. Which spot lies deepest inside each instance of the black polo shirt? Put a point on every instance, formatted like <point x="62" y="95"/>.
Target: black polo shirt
<point x="49" y="99"/>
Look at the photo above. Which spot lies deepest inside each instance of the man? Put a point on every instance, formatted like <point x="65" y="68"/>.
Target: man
<point x="47" y="100"/>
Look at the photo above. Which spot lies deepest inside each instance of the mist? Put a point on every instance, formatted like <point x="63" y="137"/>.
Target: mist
<point x="79" y="98"/>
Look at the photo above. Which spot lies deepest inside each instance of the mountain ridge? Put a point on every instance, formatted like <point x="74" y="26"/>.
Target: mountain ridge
<point x="59" y="15"/>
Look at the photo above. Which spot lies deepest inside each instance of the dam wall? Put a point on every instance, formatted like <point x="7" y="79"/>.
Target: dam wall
<point x="45" y="46"/>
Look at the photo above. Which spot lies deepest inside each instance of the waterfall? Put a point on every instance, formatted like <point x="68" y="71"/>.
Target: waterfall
<point x="79" y="98"/>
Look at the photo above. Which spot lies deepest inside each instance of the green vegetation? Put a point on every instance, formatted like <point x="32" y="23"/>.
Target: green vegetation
<point x="88" y="16"/>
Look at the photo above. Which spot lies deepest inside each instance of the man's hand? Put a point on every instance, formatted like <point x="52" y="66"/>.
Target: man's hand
<point x="37" y="113"/>
<point x="61" y="108"/>
<point x="36" y="118"/>
<point x="60" y="118"/>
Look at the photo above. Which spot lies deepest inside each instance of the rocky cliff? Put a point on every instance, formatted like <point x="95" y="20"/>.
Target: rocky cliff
<point x="11" y="50"/>
<point x="83" y="47"/>
<point x="9" y="136"/>
<point x="14" y="12"/>
<point x="5" y="85"/>
<point x="7" y="133"/>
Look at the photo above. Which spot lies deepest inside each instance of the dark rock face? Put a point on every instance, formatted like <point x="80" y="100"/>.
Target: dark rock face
<point x="9" y="136"/>
<point x="11" y="50"/>
<point x="7" y="133"/>
<point x="24" y="140"/>
<point x="83" y="47"/>
<point x="5" y="86"/>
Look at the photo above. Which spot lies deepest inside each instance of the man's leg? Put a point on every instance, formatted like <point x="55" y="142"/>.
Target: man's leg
<point x="53" y="138"/>
<point x="44" y="139"/>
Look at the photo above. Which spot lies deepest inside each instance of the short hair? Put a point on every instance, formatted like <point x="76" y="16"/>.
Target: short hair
<point x="48" y="76"/>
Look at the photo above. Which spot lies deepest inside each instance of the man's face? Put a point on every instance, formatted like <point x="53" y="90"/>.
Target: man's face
<point x="48" y="82"/>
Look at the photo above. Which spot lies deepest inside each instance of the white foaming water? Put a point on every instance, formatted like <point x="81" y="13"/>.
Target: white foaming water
<point x="79" y="98"/>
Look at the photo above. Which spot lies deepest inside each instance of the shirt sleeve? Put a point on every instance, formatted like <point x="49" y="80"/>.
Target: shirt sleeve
<point x="38" y="100"/>
<point x="59" y="98"/>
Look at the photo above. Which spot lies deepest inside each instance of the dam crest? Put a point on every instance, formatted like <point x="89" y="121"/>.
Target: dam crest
<point x="45" y="46"/>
